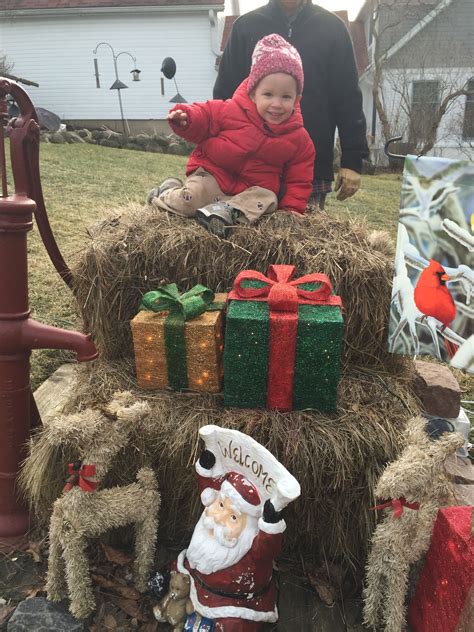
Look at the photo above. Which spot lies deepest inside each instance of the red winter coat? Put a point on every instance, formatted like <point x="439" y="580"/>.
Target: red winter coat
<point x="242" y="150"/>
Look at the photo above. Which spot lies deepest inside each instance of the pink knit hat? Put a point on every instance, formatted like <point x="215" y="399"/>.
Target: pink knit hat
<point x="274" y="54"/>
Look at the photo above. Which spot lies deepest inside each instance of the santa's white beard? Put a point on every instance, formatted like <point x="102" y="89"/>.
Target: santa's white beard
<point x="209" y="554"/>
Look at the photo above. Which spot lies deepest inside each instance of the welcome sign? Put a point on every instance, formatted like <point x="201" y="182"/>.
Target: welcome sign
<point x="237" y="452"/>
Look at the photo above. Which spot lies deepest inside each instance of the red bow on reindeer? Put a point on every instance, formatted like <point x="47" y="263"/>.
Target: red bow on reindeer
<point x="82" y="475"/>
<point x="397" y="505"/>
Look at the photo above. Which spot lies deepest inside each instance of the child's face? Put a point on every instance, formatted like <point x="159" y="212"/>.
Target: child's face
<point x="275" y="97"/>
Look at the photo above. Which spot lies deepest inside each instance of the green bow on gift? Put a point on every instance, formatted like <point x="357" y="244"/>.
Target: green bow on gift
<point x="181" y="307"/>
<point x="190" y="304"/>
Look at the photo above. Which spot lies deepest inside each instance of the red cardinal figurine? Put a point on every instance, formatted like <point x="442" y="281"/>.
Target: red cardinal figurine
<point x="433" y="298"/>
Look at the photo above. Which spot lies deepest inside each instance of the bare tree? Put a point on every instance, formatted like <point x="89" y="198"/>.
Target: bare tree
<point x="6" y="66"/>
<point x="401" y="111"/>
<point x="430" y="118"/>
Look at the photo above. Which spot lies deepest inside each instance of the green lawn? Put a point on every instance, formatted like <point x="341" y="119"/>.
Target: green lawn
<point x="81" y="182"/>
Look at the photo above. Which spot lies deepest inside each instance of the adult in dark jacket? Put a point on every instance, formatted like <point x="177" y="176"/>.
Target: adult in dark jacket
<point x="331" y="96"/>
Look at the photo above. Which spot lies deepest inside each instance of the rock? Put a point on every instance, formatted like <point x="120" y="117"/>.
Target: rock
<point x="141" y="139"/>
<point x="162" y="140"/>
<point x="108" y="142"/>
<point x="84" y="133"/>
<point x="41" y="615"/>
<point x="48" y="120"/>
<point x="72" y="137"/>
<point x="57" y="138"/>
<point x="188" y="147"/>
<point x="437" y="389"/>
<point x="154" y="147"/>
<point x="120" y="139"/>
<point x="110" y="133"/>
<point x="133" y="146"/>
<point x="176" y="149"/>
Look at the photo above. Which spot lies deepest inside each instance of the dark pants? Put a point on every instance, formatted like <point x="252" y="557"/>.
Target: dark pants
<point x="318" y="199"/>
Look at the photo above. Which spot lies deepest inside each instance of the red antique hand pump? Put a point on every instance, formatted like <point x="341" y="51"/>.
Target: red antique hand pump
<point x="19" y="333"/>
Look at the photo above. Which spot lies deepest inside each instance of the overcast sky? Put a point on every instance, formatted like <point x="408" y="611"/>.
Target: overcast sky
<point x="352" y="6"/>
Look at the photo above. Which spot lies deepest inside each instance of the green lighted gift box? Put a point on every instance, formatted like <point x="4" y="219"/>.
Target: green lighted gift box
<point x="282" y="342"/>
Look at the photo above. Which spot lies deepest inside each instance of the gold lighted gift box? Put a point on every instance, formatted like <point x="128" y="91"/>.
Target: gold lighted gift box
<point x="204" y="341"/>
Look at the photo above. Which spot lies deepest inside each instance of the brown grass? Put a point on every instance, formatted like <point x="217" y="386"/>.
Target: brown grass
<point x="337" y="459"/>
<point x="137" y="249"/>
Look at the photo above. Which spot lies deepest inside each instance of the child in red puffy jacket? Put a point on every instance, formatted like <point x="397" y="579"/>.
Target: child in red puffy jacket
<point x="253" y="155"/>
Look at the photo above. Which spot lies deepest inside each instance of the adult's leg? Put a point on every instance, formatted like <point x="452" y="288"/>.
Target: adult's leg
<point x="320" y="189"/>
<point x="318" y="199"/>
<point x="200" y="189"/>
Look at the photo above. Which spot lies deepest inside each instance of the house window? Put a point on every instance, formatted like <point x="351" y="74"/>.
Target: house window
<point x="424" y="105"/>
<point x="468" y="123"/>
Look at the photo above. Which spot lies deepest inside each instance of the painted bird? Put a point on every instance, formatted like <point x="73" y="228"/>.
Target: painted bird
<point x="433" y="298"/>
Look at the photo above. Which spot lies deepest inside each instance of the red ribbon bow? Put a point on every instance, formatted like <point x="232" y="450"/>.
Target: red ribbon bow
<point x="397" y="505"/>
<point x="84" y="476"/>
<point x="282" y="293"/>
<point x="283" y="296"/>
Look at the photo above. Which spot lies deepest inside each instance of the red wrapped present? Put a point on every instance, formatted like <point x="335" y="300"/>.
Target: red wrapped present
<point x="443" y="598"/>
<point x="283" y="341"/>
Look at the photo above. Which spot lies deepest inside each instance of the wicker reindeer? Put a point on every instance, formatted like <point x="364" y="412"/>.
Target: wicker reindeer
<point x="82" y="512"/>
<point x="416" y="486"/>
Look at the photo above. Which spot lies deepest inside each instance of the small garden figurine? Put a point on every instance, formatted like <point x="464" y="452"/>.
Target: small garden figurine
<point x="414" y="487"/>
<point x="84" y="512"/>
<point x="240" y="532"/>
<point x="174" y="607"/>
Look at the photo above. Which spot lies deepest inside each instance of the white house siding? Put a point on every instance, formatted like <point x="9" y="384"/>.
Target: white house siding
<point x="449" y="141"/>
<point x="444" y="51"/>
<point x="446" y="41"/>
<point x="56" y="52"/>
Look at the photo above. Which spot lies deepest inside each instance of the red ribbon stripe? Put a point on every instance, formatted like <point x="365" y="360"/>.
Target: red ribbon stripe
<point x="283" y="296"/>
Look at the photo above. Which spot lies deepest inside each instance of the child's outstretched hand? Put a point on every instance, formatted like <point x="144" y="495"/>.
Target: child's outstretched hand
<point x="178" y="117"/>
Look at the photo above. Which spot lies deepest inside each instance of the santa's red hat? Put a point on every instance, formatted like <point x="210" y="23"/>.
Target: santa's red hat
<point x="242" y="493"/>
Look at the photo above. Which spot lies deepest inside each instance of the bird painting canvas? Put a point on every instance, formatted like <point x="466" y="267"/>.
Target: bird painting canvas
<point x="432" y="306"/>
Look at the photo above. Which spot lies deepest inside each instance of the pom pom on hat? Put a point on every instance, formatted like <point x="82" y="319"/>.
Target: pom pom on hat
<point x="274" y="54"/>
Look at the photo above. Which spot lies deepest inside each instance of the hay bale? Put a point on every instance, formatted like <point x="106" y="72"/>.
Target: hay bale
<point x="337" y="459"/>
<point x="137" y="249"/>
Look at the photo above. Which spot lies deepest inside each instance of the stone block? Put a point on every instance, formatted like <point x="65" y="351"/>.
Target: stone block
<point x="57" y="138"/>
<point x="437" y="389"/>
<point x="41" y="615"/>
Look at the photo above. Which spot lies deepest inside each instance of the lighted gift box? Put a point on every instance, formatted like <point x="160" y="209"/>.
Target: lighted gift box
<point x="283" y="341"/>
<point x="445" y="593"/>
<point x="178" y="340"/>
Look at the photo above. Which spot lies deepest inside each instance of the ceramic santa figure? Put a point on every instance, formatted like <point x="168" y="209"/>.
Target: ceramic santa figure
<point x="240" y="532"/>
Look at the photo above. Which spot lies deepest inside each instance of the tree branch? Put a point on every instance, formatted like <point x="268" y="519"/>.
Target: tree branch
<point x="26" y="82"/>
